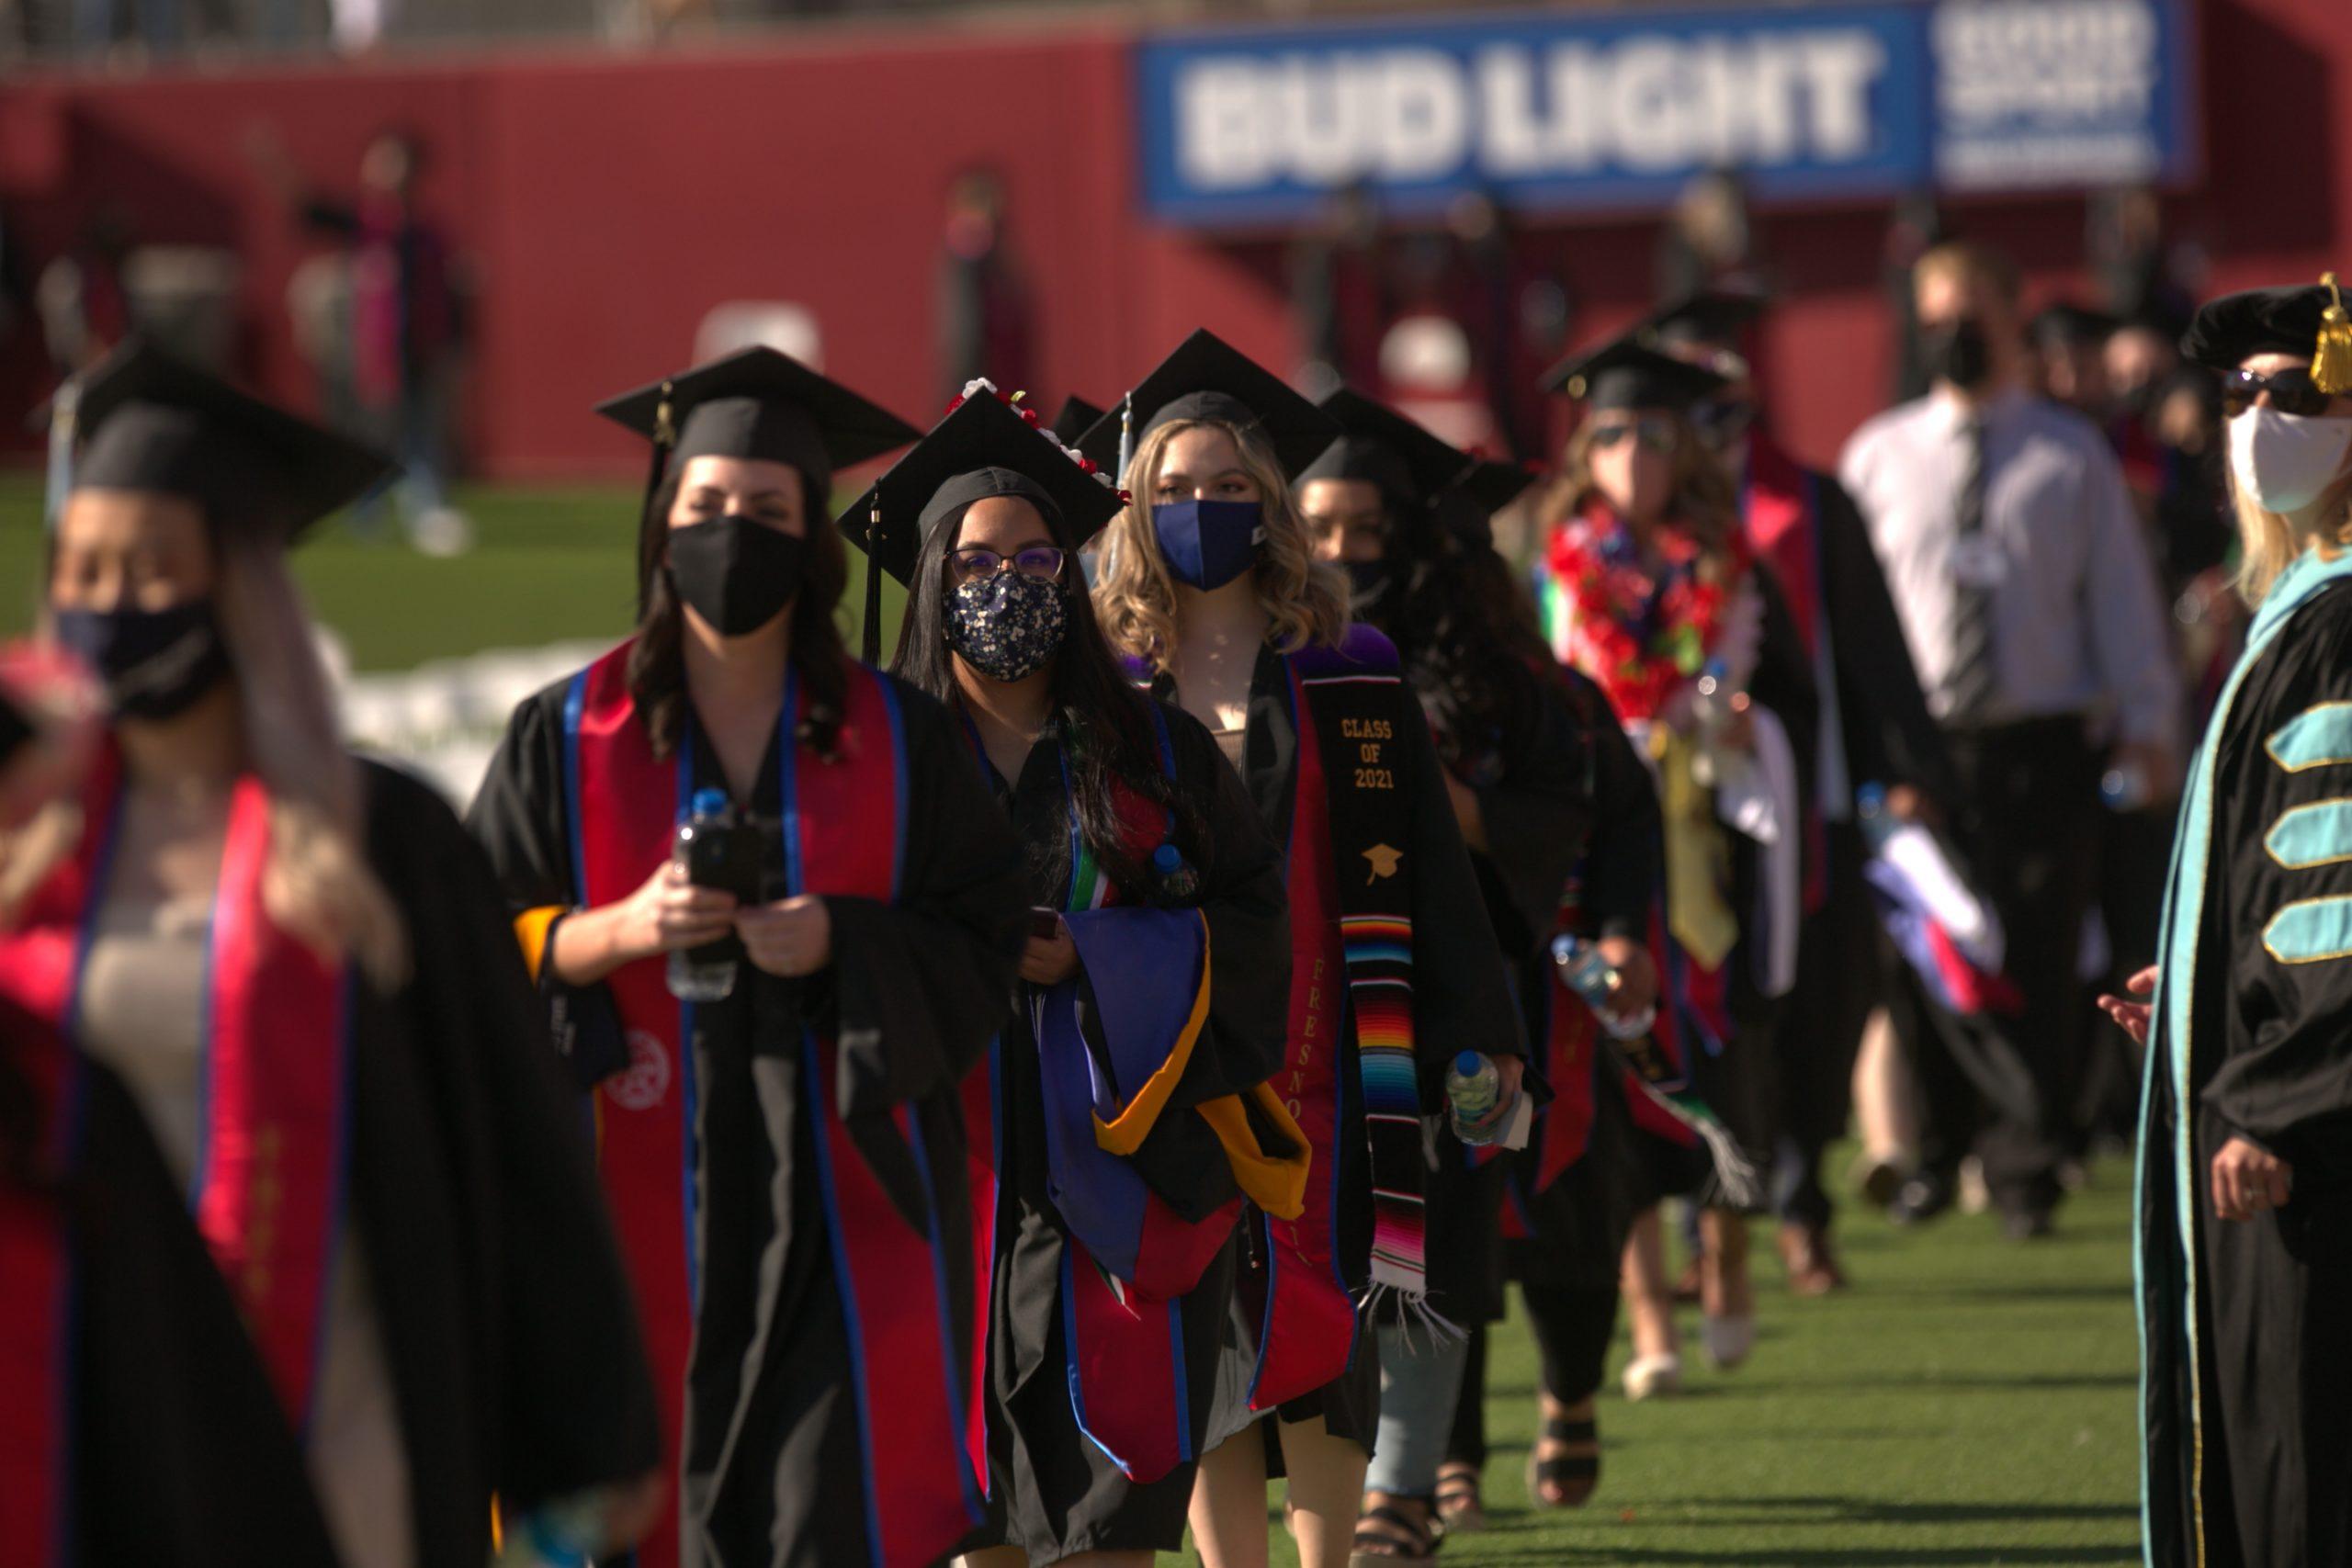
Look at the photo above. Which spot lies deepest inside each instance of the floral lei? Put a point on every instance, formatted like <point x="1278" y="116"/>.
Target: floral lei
<point x="1639" y="636"/>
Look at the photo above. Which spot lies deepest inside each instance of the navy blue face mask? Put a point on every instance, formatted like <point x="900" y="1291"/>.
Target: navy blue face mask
<point x="155" y="663"/>
<point x="1207" y="544"/>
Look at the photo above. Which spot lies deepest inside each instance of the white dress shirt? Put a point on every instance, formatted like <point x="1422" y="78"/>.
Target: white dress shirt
<point x="2078" y="624"/>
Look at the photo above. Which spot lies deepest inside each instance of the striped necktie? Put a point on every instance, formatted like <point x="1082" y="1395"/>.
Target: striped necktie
<point x="1968" y="679"/>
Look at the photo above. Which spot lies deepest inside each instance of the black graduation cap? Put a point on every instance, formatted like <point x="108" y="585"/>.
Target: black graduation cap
<point x="1208" y="379"/>
<point x="1624" y="374"/>
<point x="1075" y="418"/>
<point x="758" y="403"/>
<point x="1380" y="444"/>
<point x="2066" y="324"/>
<point x="2309" y="320"/>
<point x="1466" y="508"/>
<point x="984" y="447"/>
<point x="151" y="421"/>
<point x="1704" y="316"/>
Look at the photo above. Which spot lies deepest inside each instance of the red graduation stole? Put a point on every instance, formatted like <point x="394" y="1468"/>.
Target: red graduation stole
<point x="845" y="832"/>
<point x="268" y="1185"/>
<point x="1307" y="1332"/>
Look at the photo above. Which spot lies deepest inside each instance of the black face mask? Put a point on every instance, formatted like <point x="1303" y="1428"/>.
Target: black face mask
<point x="1958" y="351"/>
<point x="736" y="573"/>
<point x="155" y="663"/>
<point x="1367" y="581"/>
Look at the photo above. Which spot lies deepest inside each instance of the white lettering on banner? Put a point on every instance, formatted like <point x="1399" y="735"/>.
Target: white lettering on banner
<point x="1222" y="142"/>
<point x="1839" y="69"/>
<point x="1649" y="104"/>
<point x="1424" y="118"/>
<point x="2046" y="61"/>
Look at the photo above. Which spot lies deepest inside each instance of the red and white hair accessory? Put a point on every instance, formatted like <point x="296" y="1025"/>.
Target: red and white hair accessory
<point x="1016" y="402"/>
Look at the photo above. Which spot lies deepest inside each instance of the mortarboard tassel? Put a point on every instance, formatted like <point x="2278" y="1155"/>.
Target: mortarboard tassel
<point x="2331" y="358"/>
<point x="869" y="630"/>
<point x="665" y="436"/>
<point x="1126" y="436"/>
<point x="61" y="435"/>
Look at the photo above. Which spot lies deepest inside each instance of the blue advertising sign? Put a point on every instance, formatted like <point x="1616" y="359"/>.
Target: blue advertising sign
<point x="1615" y="109"/>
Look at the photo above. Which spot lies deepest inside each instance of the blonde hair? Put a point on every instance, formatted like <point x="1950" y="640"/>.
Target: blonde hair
<point x="2267" y="543"/>
<point x="317" y="884"/>
<point x="1703" y="501"/>
<point x="1135" y="596"/>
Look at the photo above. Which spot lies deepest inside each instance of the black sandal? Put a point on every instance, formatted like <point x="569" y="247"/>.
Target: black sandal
<point x="1403" y="1543"/>
<point x="1461" y="1504"/>
<point x="1565" y="1473"/>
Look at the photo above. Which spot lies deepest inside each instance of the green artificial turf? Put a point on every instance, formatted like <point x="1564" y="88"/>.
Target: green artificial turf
<point x="547" y="565"/>
<point x="1966" y="1402"/>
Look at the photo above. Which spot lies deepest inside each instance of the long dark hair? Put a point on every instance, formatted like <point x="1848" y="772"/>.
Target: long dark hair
<point x="1464" y="633"/>
<point x="657" y="660"/>
<point x="1100" y="718"/>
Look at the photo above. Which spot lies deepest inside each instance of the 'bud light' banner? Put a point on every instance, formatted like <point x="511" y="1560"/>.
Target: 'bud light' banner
<point x="1615" y="109"/>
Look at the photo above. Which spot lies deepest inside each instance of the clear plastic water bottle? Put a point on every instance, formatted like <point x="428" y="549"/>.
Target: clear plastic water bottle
<point x="1584" y="970"/>
<point x="2126" y="788"/>
<point x="704" y="974"/>
<point x="1472" y="1086"/>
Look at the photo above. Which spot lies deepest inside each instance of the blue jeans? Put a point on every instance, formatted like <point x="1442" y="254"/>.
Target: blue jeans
<point x="1420" y="1380"/>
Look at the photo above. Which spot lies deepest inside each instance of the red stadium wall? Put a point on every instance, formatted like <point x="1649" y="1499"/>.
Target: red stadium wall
<point x="607" y="202"/>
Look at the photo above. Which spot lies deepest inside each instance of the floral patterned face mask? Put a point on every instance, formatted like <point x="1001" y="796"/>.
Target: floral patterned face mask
<point x="1007" y="625"/>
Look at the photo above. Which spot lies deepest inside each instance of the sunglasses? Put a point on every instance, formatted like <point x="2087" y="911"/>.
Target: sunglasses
<point x="2291" y="390"/>
<point x="1655" y="434"/>
<point x="1041" y="561"/>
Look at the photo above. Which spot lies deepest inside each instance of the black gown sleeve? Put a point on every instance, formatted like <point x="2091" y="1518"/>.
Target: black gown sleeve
<point x="181" y="1453"/>
<point x="1626" y="864"/>
<point x="1460" y="999"/>
<point x="2285" y="1077"/>
<point x="1783" y="680"/>
<point x="1537" y="811"/>
<point x="1889" y="737"/>
<point x="573" y="1401"/>
<point x="517" y="815"/>
<point x="519" y="818"/>
<point x="921" y="987"/>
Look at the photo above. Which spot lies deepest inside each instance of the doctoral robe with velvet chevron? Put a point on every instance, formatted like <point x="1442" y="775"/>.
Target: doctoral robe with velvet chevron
<point x="2246" y="1386"/>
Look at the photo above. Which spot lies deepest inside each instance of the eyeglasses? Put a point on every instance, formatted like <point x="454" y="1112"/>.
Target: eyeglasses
<point x="1655" y="434"/>
<point x="1042" y="561"/>
<point x="2291" y="390"/>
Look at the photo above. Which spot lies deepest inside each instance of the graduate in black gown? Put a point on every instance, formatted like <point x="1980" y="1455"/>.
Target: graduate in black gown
<point x="2245" y="1152"/>
<point x="1647" y="584"/>
<point x="1534" y="762"/>
<point x="157" y="1345"/>
<point x="340" y="1275"/>
<point x="784" y="1161"/>
<point x="1210" y="586"/>
<point x="1152" y="996"/>
<point x="1875" y="729"/>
